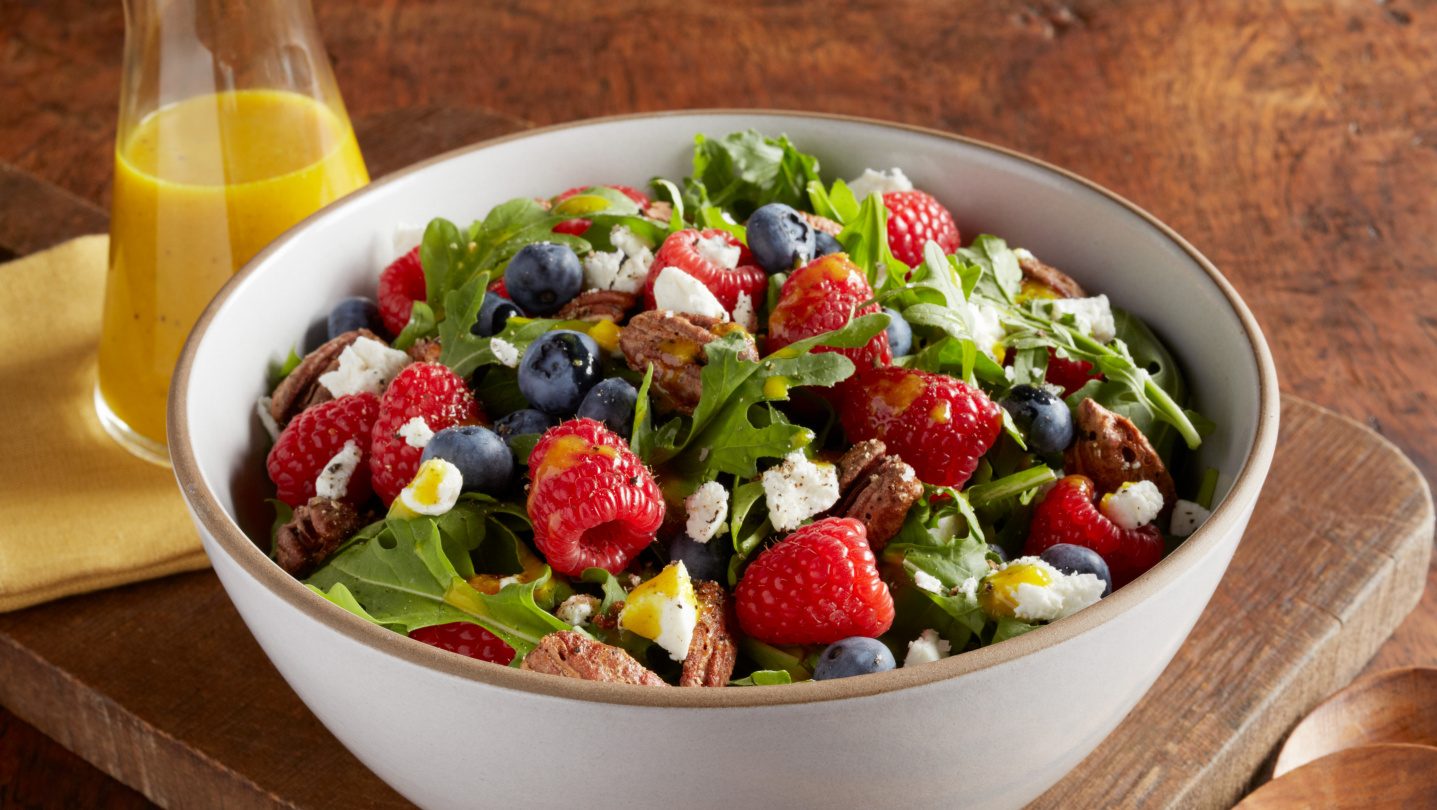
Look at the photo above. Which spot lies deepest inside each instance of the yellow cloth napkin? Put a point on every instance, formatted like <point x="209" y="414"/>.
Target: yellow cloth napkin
<point x="77" y="512"/>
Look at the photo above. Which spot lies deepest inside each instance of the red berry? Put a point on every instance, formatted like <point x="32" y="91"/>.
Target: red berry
<point x="816" y="586"/>
<point x="819" y="297"/>
<point x="499" y="288"/>
<point x="312" y="439"/>
<point x="1067" y="515"/>
<point x="426" y="391"/>
<point x="400" y="285"/>
<point x="468" y="639"/>
<point x="1070" y="375"/>
<point x="680" y="250"/>
<point x="577" y="227"/>
<point x="593" y="503"/>
<point x="572" y="227"/>
<point x="914" y="218"/>
<point x="939" y="425"/>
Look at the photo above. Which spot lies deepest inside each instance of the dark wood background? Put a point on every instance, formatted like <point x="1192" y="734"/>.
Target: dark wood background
<point x="1295" y="143"/>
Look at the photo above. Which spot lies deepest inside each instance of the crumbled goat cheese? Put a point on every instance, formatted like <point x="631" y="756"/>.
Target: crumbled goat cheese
<point x="266" y="419"/>
<point x="1093" y="316"/>
<point x="874" y="182"/>
<point x="577" y="609"/>
<point x="797" y="489"/>
<point x="446" y="494"/>
<point x="987" y="329"/>
<point x="1136" y="503"/>
<point x="717" y="250"/>
<point x="1187" y="517"/>
<point x="505" y="352"/>
<point x="926" y="649"/>
<point x="743" y="313"/>
<point x="416" y="433"/>
<point x="677" y="291"/>
<point x="969" y="587"/>
<point x="927" y="582"/>
<point x="366" y="365"/>
<point x="623" y="269"/>
<point x="333" y="480"/>
<point x="1064" y="595"/>
<point x="706" y="510"/>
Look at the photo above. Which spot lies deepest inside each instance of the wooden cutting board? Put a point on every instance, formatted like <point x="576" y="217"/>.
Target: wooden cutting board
<point x="161" y="685"/>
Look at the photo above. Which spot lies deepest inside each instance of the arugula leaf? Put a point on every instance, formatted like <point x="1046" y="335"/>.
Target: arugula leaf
<point x="836" y="203"/>
<point x="278" y="371"/>
<point x="764" y="677"/>
<point x="711" y="216"/>
<point x="865" y="240"/>
<point x="1010" y="628"/>
<point x="642" y="434"/>
<point x="460" y="348"/>
<point x="671" y="192"/>
<point x="928" y="543"/>
<point x="773" y="658"/>
<point x="421" y="325"/>
<point x="743" y="170"/>
<point x="1011" y="486"/>
<point x="613" y="591"/>
<point x="1001" y="278"/>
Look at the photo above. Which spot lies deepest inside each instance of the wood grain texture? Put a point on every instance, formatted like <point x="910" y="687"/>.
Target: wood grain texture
<point x="1396" y="706"/>
<point x="1372" y="776"/>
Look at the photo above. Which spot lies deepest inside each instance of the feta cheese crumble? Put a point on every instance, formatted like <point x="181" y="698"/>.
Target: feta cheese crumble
<point x="987" y="329"/>
<point x="416" y="433"/>
<point x="1136" y="503"/>
<point x="876" y="182"/>
<point x="505" y="352"/>
<point x="927" y="582"/>
<point x="797" y="489"/>
<point x="716" y="249"/>
<point x="706" y="510"/>
<point x="577" y="609"/>
<point x="365" y="366"/>
<point x="1187" y="517"/>
<point x="266" y="419"/>
<point x="434" y="490"/>
<point x="743" y="313"/>
<point x="1092" y="316"/>
<point x="969" y="587"/>
<point x="677" y="291"/>
<point x="927" y="648"/>
<point x="333" y="479"/>
<point x="622" y="269"/>
<point x="1064" y="595"/>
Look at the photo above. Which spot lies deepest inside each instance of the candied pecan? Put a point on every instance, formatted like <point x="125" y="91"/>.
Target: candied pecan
<point x="674" y="344"/>
<point x="714" y="650"/>
<point x="1050" y="277"/>
<point x="425" y="351"/>
<point x="313" y="533"/>
<point x="660" y="210"/>
<point x="598" y="305"/>
<point x="301" y="388"/>
<point x="1111" y="450"/>
<point x="823" y="224"/>
<point x="859" y="460"/>
<point x="881" y="498"/>
<point x="569" y="654"/>
<point x="609" y="619"/>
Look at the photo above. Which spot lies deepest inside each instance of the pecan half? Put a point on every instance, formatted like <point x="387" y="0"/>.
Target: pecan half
<point x="878" y="490"/>
<point x="1111" y="450"/>
<point x="674" y="344"/>
<point x="598" y="305"/>
<point x="713" y="651"/>
<point x="660" y="211"/>
<point x="859" y="460"/>
<point x="1051" y="277"/>
<point x="313" y="533"/>
<point x="573" y="655"/>
<point x="301" y="388"/>
<point x="823" y="224"/>
<point x="425" y="351"/>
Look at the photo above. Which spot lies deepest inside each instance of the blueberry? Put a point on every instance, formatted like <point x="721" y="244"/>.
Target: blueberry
<point x="611" y="402"/>
<point x="826" y="244"/>
<point x="482" y="457"/>
<point x="523" y="421"/>
<point x="558" y="370"/>
<point x="900" y="334"/>
<point x="354" y="313"/>
<point x="1071" y="559"/>
<point x="853" y="656"/>
<point x="543" y="276"/>
<point x="1043" y="417"/>
<point x="780" y="238"/>
<point x="494" y="312"/>
<point x="702" y="560"/>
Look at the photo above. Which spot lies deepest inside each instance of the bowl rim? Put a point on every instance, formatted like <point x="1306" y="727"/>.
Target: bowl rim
<point x="247" y="556"/>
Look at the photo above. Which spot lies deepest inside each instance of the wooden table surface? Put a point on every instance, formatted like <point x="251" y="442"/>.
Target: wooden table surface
<point x="1295" y="143"/>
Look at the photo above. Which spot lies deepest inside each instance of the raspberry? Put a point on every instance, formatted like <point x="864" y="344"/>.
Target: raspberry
<point x="577" y="227"/>
<point x="500" y="289"/>
<point x="939" y="425"/>
<point x="822" y="296"/>
<point x="593" y="503"/>
<point x="1067" y="515"/>
<point x="466" y="639"/>
<point x="400" y="285"/>
<point x="313" y="438"/>
<point x="1070" y="375"/>
<point x="430" y="392"/>
<point x="914" y="218"/>
<point x="816" y="586"/>
<point x="680" y="250"/>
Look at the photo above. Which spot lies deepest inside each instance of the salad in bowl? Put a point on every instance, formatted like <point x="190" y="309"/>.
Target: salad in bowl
<point x="749" y="427"/>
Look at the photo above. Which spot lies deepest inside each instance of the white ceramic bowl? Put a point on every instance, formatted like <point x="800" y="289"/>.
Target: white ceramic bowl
<point x="991" y="728"/>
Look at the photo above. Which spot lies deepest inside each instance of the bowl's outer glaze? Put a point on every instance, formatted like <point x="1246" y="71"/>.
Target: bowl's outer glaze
<point x="992" y="728"/>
